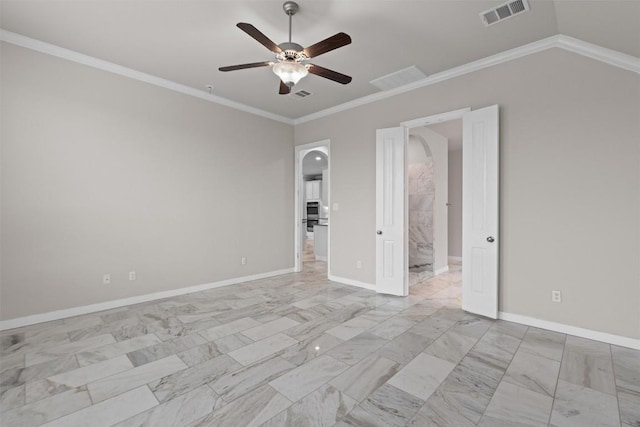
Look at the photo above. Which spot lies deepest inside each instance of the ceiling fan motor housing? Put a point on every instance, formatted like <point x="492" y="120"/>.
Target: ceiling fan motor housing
<point x="290" y="46"/>
<point x="290" y="7"/>
<point x="291" y="52"/>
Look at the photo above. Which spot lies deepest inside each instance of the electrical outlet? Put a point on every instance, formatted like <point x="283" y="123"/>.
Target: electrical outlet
<point x="556" y="296"/>
<point x="358" y="264"/>
<point x="132" y="275"/>
<point x="106" y="279"/>
<point x="243" y="260"/>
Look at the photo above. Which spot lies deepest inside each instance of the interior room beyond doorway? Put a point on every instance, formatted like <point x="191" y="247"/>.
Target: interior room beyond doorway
<point x="434" y="192"/>
<point x="315" y="209"/>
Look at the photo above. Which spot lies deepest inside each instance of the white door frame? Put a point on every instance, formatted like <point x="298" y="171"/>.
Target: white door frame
<point x="300" y="152"/>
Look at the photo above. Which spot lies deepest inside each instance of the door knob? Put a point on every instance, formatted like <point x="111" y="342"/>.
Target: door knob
<point x="379" y="232"/>
<point x="490" y="239"/>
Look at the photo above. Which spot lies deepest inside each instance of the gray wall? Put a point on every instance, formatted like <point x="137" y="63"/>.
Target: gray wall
<point x="455" y="200"/>
<point x="570" y="173"/>
<point x="104" y="174"/>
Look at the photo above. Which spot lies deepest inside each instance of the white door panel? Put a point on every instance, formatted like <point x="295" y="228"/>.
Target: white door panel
<point x="390" y="212"/>
<point x="480" y="212"/>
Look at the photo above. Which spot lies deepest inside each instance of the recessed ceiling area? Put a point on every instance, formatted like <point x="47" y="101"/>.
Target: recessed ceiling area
<point x="313" y="163"/>
<point x="186" y="41"/>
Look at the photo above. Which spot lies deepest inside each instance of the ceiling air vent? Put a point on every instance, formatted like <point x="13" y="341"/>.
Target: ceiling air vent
<point x="302" y="93"/>
<point x="504" y="11"/>
<point x="399" y="78"/>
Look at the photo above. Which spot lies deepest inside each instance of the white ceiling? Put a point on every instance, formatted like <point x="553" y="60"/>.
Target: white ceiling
<point x="187" y="40"/>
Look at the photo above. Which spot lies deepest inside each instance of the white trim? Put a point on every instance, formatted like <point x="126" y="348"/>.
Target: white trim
<point x="441" y="270"/>
<point x="599" y="53"/>
<point x="437" y="118"/>
<point x="321" y="258"/>
<point x="70" y="55"/>
<point x="609" y="56"/>
<point x="455" y="259"/>
<point x="351" y="282"/>
<point x="461" y="70"/>
<point x="92" y="308"/>
<point x="572" y="330"/>
<point x="571" y="44"/>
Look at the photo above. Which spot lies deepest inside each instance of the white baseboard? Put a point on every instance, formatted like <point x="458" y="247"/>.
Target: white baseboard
<point x="456" y="259"/>
<point x="441" y="270"/>
<point x="321" y="258"/>
<point x="572" y="330"/>
<point x="92" y="308"/>
<point x="351" y="282"/>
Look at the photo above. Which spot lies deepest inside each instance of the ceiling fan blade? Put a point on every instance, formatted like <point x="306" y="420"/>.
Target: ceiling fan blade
<point x="284" y="89"/>
<point x="243" y="66"/>
<point x="327" y="45"/>
<point x="261" y="38"/>
<point x="329" y="74"/>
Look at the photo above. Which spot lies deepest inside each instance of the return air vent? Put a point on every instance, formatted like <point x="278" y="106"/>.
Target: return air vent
<point x="399" y="78"/>
<point x="302" y="93"/>
<point x="504" y="11"/>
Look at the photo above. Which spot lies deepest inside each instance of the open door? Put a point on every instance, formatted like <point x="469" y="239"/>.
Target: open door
<point x="390" y="212"/>
<point x="480" y="212"/>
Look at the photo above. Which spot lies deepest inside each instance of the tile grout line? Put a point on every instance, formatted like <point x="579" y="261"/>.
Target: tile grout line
<point x="555" y="390"/>
<point x="505" y="371"/>
<point x="465" y="355"/>
<point x="615" y="383"/>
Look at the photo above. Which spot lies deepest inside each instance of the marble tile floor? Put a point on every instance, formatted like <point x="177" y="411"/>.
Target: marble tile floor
<point x="298" y="350"/>
<point x="308" y="255"/>
<point x="417" y="277"/>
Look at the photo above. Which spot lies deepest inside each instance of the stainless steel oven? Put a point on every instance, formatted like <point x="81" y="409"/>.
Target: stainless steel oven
<point x="313" y="214"/>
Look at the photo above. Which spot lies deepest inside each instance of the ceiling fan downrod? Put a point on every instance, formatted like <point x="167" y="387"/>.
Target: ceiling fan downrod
<point x="290" y="8"/>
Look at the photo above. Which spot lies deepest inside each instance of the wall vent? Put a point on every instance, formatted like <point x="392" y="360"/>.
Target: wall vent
<point x="504" y="11"/>
<point x="302" y="93"/>
<point x="399" y="78"/>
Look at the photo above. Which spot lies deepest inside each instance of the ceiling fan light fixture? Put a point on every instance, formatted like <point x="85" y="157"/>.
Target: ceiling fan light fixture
<point x="290" y="72"/>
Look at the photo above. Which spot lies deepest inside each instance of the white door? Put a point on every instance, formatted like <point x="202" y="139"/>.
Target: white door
<point x="480" y="212"/>
<point x="390" y="212"/>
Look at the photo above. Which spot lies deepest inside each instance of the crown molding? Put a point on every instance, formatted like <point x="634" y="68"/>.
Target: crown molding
<point x="608" y="56"/>
<point x="80" y="58"/>
<point x="599" y="53"/>
<point x="461" y="70"/>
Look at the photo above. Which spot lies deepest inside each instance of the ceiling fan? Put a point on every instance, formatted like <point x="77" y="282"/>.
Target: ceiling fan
<point x="291" y="62"/>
